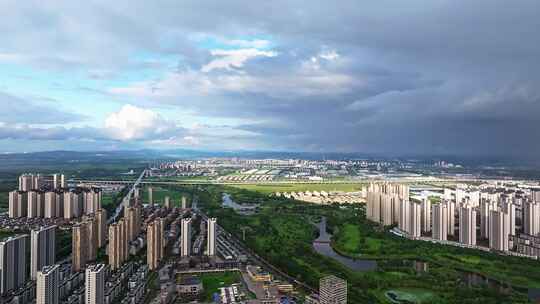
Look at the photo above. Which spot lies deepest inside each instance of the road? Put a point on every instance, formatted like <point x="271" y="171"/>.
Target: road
<point x="260" y="261"/>
<point x="126" y="199"/>
<point x="215" y="182"/>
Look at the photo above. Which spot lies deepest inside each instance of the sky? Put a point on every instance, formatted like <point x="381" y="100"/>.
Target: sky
<point x="431" y="77"/>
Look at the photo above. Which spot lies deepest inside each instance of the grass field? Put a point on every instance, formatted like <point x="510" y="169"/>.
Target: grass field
<point x="271" y="188"/>
<point x="349" y="238"/>
<point x="159" y="193"/>
<point x="282" y="233"/>
<point x="412" y="295"/>
<point x="213" y="281"/>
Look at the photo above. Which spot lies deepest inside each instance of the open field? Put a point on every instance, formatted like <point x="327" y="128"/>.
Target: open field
<point x="159" y="193"/>
<point x="271" y="188"/>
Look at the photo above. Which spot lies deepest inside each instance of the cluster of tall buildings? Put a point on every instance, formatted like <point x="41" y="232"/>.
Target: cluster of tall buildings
<point x="121" y="233"/>
<point x="13" y="258"/>
<point x="463" y="214"/>
<point x="58" y="203"/>
<point x="87" y="237"/>
<point x="30" y="181"/>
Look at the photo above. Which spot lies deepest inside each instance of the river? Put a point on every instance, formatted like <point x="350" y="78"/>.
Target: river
<point x="322" y="246"/>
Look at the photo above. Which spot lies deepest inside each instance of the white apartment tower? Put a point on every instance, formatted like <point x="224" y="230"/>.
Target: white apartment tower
<point x="499" y="228"/>
<point x="186" y="237"/>
<point x="95" y="284"/>
<point x="426" y="215"/>
<point x="531" y="217"/>
<point x="48" y="285"/>
<point x="12" y="263"/>
<point x="211" y="236"/>
<point x="440" y="222"/>
<point x="415" y="212"/>
<point x="486" y="206"/>
<point x="43" y="252"/>
<point x="467" y="225"/>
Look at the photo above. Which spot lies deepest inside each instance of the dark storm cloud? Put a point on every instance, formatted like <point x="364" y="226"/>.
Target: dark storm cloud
<point x="421" y="77"/>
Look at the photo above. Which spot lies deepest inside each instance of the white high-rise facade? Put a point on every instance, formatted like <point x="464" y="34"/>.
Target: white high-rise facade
<point x="467" y="225"/>
<point x="43" y="252"/>
<point x="486" y="206"/>
<point x="12" y="263"/>
<point x="426" y="215"/>
<point x="531" y="217"/>
<point x="211" y="236"/>
<point x="415" y="219"/>
<point x="95" y="284"/>
<point x="439" y="221"/>
<point x="48" y="285"/>
<point x="499" y="229"/>
<point x="186" y="237"/>
<point x="451" y="206"/>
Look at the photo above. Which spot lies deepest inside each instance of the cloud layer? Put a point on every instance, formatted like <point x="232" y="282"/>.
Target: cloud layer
<point x="422" y="77"/>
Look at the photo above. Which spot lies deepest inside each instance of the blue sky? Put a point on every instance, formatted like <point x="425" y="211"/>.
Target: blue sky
<point x="429" y="77"/>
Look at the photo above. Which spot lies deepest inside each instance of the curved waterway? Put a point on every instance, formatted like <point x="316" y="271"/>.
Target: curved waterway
<point x="322" y="246"/>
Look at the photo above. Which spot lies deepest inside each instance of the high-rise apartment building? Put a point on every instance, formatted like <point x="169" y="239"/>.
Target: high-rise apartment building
<point x="332" y="290"/>
<point x="211" y="236"/>
<point x="18" y="204"/>
<point x="384" y="201"/>
<point x="50" y="205"/>
<point x="185" y="232"/>
<point x="101" y="219"/>
<point x="486" y="206"/>
<point x="48" y="285"/>
<point x="426" y="215"/>
<point x="499" y="226"/>
<point x="118" y="244"/>
<point x="95" y="284"/>
<point x="451" y="206"/>
<point x="439" y="221"/>
<point x="43" y="249"/>
<point x="414" y="222"/>
<point x="184" y="202"/>
<point x="150" y="196"/>
<point x="12" y="263"/>
<point x="467" y="225"/>
<point x="92" y="230"/>
<point x="155" y="243"/>
<point x="531" y="217"/>
<point x="79" y="247"/>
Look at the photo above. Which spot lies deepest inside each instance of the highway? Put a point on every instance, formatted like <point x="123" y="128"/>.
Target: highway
<point x="126" y="199"/>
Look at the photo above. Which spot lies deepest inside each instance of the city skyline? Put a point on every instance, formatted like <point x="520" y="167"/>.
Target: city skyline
<point x="318" y="77"/>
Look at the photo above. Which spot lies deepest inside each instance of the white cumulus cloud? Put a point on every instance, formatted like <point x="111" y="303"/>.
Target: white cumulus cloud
<point x="134" y="123"/>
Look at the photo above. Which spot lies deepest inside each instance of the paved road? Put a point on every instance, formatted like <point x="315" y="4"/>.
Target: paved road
<point x="126" y="199"/>
<point x="258" y="259"/>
